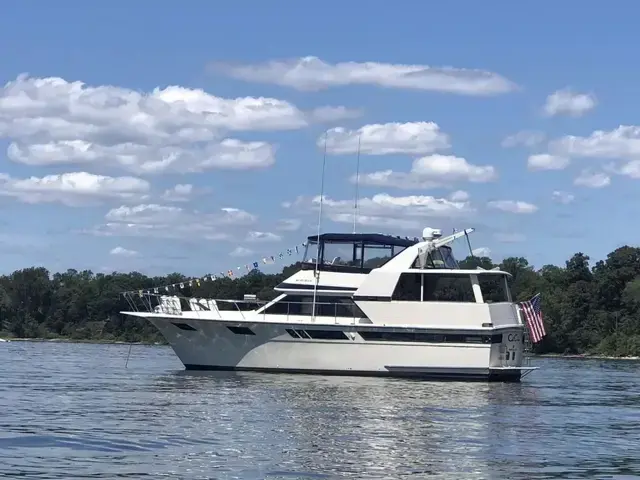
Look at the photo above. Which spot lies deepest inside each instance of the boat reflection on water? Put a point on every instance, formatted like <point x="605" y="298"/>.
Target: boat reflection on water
<point x="357" y="425"/>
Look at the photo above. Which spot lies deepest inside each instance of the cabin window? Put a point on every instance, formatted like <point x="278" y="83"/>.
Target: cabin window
<point x="448" y="288"/>
<point x="326" y="306"/>
<point x="289" y="305"/>
<point x="495" y="288"/>
<point x="414" y="287"/>
<point x="278" y="308"/>
<point x="337" y="307"/>
<point x="408" y="288"/>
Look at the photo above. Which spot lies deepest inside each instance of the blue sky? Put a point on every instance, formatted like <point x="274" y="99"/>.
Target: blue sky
<point x="90" y="168"/>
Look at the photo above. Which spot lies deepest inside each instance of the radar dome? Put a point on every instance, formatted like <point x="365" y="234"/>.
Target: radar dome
<point x="431" y="233"/>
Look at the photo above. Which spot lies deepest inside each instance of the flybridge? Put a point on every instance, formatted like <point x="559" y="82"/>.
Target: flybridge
<point x="373" y="238"/>
<point x="362" y="252"/>
<point x="352" y="252"/>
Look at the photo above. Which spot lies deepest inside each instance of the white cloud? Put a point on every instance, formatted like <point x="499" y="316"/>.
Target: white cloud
<point x="562" y="197"/>
<point x="53" y="121"/>
<point x="262" y="237"/>
<point x="513" y="206"/>
<point x="592" y="180"/>
<point x="144" y="213"/>
<point x="241" y="252"/>
<point x="509" y="237"/>
<point x="386" y="139"/>
<point x="162" y="221"/>
<point x="178" y="193"/>
<point x="620" y="143"/>
<point x="568" y="102"/>
<point x="377" y="221"/>
<point x="123" y="252"/>
<point x="452" y="168"/>
<point x="289" y="224"/>
<point x="227" y="154"/>
<point x="312" y="73"/>
<point x="410" y="212"/>
<point x="630" y="169"/>
<point x="482" y="252"/>
<point x="332" y="114"/>
<point x="459" y="196"/>
<point x="546" y="161"/>
<point x="526" y="138"/>
<point x="74" y="189"/>
<point x="429" y="172"/>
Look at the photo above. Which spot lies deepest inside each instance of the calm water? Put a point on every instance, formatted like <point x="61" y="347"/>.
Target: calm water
<point x="74" y="411"/>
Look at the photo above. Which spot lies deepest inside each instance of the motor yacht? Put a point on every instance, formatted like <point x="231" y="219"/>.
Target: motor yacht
<point x="363" y="305"/>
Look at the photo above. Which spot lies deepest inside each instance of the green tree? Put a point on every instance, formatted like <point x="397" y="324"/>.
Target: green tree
<point x="585" y="309"/>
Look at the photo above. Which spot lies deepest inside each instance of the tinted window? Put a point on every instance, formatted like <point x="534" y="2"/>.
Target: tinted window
<point x="291" y="304"/>
<point x="448" y="288"/>
<point x="325" y="306"/>
<point x="408" y="287"/>
<point x="377" y="255"/>
<point x="423" y="337"/>
<point x="494" y="288"/>
<point x="241" y="330"/>
<point x="327" y="334"/>
<point x="337" y="307"/>
<point x="342" y="254"/>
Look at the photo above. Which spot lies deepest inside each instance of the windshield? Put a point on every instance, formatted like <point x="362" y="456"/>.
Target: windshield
<point x="358" y="254"/>
<point x="440" y="258"/>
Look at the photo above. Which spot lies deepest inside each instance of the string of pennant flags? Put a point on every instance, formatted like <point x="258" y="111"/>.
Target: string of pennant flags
<point x="268" y="260"/>
<point x="231" y="273"/>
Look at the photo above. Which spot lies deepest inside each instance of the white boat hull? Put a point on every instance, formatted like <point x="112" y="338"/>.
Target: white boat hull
<point x="270" y="347"/>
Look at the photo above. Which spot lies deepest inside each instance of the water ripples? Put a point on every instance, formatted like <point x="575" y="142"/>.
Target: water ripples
<point x="73" y="411"/>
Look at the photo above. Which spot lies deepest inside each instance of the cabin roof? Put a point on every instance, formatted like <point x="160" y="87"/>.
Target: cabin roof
<point x="457" y="271"/>
<point x="375" y="238"/>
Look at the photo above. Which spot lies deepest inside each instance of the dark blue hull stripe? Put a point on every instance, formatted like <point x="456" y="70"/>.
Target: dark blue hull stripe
<point x="512" y="376"/>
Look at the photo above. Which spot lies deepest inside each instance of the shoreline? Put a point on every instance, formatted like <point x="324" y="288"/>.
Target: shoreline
<point x="71" y="340"/>
<point x="582" y="356"/>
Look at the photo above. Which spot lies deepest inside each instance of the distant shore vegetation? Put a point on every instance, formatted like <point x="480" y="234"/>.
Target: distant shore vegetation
<point x="587" y="309"/>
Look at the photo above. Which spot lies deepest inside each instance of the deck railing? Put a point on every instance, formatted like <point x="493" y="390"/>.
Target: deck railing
<point x="340" y="312"/>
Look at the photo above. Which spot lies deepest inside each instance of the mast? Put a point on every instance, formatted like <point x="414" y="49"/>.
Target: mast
<point x="317" y="272"/>
<point x="355" y="205"/>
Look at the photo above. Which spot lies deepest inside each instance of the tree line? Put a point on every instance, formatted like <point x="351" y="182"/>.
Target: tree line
<point x="586" y="309"/>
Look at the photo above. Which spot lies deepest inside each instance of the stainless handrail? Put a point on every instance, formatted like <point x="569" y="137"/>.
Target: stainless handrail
<point x="146" y="300"/>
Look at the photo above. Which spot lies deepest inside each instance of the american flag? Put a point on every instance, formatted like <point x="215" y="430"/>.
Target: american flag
<point x="533" y="318"/>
